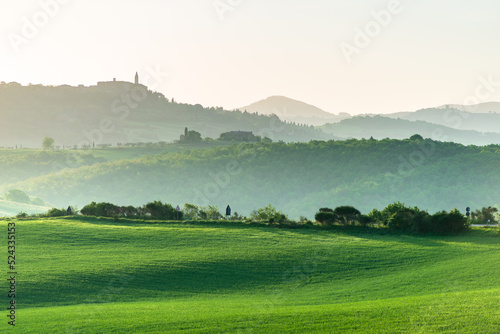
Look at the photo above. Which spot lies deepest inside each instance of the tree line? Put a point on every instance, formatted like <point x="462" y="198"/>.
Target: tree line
<point x="395" y="217"/>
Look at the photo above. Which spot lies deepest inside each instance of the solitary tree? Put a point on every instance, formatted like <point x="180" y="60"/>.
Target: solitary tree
<point x="346" y="214"/>
<point x="486" y="214"/>
<point x="48" y="143"/>
<point x="213" y="213"/>
<point x="325" y="216"/>
<point x="270" y="214"/>
<point x="191" y="211"/>
<point x="191" y="137"/>
<point x="416" y="137"/>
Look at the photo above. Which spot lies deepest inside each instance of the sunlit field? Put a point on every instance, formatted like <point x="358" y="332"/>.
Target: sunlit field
<point x="83" y="275"/>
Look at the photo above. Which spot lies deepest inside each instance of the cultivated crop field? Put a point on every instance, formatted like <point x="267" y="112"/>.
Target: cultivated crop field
<point x="83" y="275"/>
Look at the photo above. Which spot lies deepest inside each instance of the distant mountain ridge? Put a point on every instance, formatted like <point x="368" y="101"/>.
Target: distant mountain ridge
<point x="483" y="118"/>
<point x="121" y="112"/>
<point x="116" y="112"/>
<point x="454" y="118"/>
<point x="482" y="108"/>
<point x="291" y="110"/>
<point x="380" y="127"/>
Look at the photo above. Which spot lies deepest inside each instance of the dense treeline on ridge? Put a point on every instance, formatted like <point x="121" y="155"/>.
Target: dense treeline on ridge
<point x="296" y="177"/>
<point x="396" y="217"/>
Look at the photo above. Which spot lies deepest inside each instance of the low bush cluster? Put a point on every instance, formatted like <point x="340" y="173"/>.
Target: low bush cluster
<point x="152" y="210"/>
<point x="397" y="217"/>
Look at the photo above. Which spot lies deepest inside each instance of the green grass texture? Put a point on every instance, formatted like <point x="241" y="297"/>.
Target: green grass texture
<point x="83" y="275"/>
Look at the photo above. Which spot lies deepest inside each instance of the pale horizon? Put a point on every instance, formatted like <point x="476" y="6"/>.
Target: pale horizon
<point x="421" y="55"/>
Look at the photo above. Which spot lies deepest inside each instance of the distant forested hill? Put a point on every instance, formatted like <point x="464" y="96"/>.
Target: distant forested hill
<point x="121" y="113"/>
<point x="483" y="108"/>
<point x="22" y="164"/>
<point x="297" y="178"/>
<point x="294" y="111"/>
<point x="19" y="165"/>
<point x="380" y="127"/>
<point x="454" y="118"/>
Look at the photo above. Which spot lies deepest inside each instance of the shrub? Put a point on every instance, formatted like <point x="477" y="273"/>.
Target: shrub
<point x="325" y="218"/>
<point x="376" y="216"/>
<point x="156" y="210"/>
<point x="191" y="211"/>
<point x="384" y="215"/>
<point x="398" y="217"/>
<point x="54" y="212"/>
<point x="401" y="220"/>
<point x="346" y="214"/>
<point x="100" y="210"/>
<point x="448" y="223"/>
<point x="269" y="214"/>
<point x="486" y="214"/>
<point x="159" y="210"/>
<point x="365" y="220"/>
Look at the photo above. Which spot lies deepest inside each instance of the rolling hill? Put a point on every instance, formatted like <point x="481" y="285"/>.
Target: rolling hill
<point x="454" y="118"/>
<point x="293" y="111"/>
<point x="121" y="112"/>
<point x="22" y="164"/>
<point x="482" y="108"/>
<point x="380" y="127"/>
<point x="298" y="178"/>
<point x="83" y="275"/>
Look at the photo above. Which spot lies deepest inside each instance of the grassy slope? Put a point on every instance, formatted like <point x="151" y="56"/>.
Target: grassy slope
<point x="296" y="178"/>
<point x="99" y="276"/>
<point x="30" y="160"/>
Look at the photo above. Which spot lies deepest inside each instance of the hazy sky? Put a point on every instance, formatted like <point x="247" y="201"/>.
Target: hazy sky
<point x="335" y="54"/>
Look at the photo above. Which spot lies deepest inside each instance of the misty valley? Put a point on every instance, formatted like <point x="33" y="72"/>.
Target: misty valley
<point x="277" y="217"/>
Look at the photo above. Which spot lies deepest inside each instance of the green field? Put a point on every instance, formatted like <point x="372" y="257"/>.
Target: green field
<point x="81" y="275"/>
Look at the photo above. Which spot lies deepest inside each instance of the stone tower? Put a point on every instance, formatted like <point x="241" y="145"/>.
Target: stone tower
<point x="136" y="78"/>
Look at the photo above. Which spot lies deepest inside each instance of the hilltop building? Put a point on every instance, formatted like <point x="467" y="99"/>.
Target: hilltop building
<point x="120" y="85"/>
<point x="182" y="137"/>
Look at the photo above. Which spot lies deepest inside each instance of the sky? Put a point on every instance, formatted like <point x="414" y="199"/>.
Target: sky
<point x="354" y="56"/>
